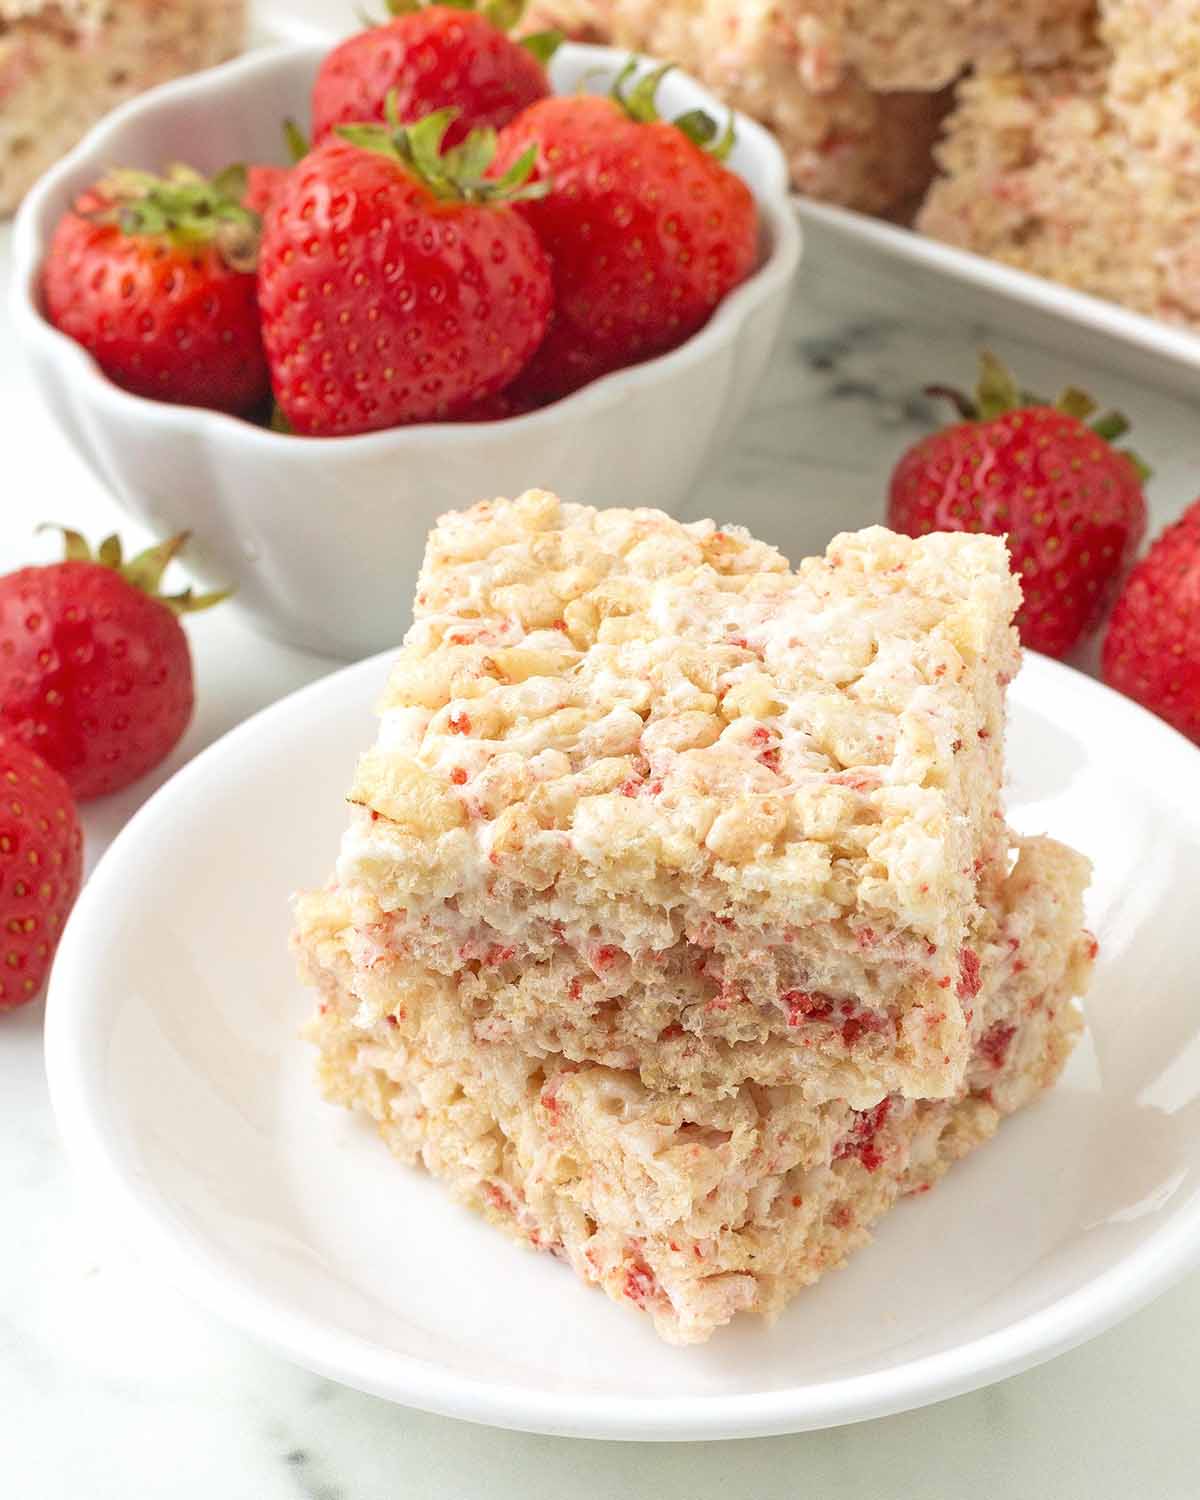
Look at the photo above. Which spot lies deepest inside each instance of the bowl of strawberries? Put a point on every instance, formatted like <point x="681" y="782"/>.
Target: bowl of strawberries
<point x="476" y="268"/>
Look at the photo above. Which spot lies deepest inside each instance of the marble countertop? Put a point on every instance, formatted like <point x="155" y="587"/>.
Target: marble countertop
<point x="111" y="1385"/>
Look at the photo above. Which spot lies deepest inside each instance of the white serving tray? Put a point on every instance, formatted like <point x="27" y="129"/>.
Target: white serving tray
<point x="933" y="276"/>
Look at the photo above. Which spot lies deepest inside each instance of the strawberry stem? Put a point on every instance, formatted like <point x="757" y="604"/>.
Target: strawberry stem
<point x="961" y="402"/>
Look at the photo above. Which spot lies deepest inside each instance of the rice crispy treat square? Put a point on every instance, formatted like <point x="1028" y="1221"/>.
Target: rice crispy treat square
<point x="620" y="742"/>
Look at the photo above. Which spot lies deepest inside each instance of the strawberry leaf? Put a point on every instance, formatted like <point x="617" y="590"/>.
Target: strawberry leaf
<point x="459" y="174"/>
<point x="297" y="142"/>
<point x="184" y="207"/>
<point x="1076" y="403"/>
<point x="542" y="44"/>
<point x="143" y="572"/>
<point x="503" y="14"/>
<point x="997" y="391"/>
<point x="639" y="100"/>
<point x="1111" y="426"/>
<point x="639" y="103"/>
<point x="75" y="546"/>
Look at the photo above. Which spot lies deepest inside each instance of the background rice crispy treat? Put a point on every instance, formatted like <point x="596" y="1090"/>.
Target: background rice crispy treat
<point x="66" y="63"/>
<point x="617" y="733"/>
<point x="852" y="88"/>
<point x="1088" y="173"/>
<point x="690" y="1207"/>
<point x="843" y="141"/>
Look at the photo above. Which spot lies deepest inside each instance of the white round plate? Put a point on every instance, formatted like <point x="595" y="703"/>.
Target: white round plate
<point x="186" y="1100"/>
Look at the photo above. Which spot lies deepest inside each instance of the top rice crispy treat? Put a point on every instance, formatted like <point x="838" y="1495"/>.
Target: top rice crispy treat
<point x="617" y="733"/>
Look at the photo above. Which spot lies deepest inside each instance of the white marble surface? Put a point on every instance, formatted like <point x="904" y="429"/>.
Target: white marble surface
<point x="112" y="1386"/>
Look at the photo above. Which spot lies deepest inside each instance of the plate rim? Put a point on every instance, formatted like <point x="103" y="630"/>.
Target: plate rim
<point x="78" y="1098"/>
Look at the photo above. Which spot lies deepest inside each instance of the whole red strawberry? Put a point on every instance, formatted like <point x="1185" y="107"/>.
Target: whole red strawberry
<point x="397" y="283"/>
<point x="1070" y="504"/>
<point x="95" y="672"/>
<point x="431" y="57"/>
<point x="646" y="229"/>
<point x="154" y="277"/>
<point x="262" y="185"/>
<point x="1152" y="650"/>
<point x="41" y="862"/>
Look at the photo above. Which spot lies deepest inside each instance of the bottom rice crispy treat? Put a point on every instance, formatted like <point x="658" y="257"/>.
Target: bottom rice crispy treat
<point x="691" y="1207"/>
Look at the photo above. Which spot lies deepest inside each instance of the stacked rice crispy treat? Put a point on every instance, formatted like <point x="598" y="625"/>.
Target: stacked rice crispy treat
<point x="677" y="925"/>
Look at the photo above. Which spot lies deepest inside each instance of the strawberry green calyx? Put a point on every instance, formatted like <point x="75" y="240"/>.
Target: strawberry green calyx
<point x="997" y="392"/>
<point x="188" y="209"/>
<point x="144" y="572"/>
<point x="458" y="174"/>
<point x="639" y="104"/>
<point x="297" y="143"/>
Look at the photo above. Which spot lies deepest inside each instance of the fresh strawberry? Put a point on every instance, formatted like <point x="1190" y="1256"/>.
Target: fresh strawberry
<point x="264" y="182"/>
<point x="1070" y="504"/>
<point x="397" y="284"/>
<point x="95" y="672"/>
<point x="646" y="230"/>
<point x="432" y="57"/>
<point x="1152" y="650"/>
<point x="497" y="408"/>
<point x="262" y="185"/>
<point x="41" y="861"/>
<point x="155" y="278"/>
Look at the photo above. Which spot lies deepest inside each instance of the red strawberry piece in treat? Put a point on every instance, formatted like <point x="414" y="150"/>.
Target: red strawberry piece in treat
<point x="154" y="276"/>
<point x="646" y="229"/>
<point x="431" y="57"/>
<point x="397" y="282"/>
<point x="41" y="864"/>
<point x="1070" y="504"/>
<point x="1152" y="650"/>
<point x="95" y="671"/>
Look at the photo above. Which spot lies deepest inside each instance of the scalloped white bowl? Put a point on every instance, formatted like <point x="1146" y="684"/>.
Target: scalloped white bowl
<point x="324" y="536"/>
